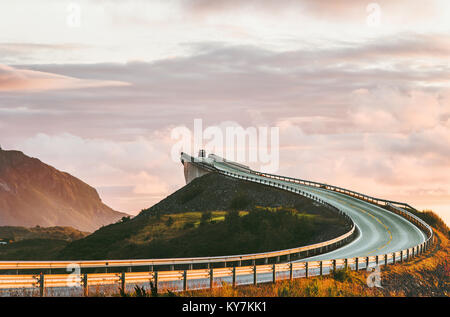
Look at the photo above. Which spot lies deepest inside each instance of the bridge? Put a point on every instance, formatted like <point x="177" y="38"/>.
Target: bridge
<point x="382" y="232"/>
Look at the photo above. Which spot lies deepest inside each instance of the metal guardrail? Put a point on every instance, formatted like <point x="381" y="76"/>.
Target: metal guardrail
<point x="284" y="271"/>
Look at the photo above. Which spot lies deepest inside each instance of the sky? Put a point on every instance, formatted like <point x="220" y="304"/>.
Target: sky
<point x="359" y="90"/>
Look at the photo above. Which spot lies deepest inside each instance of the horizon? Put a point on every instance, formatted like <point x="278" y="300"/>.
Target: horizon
<point x="96" y="93"/>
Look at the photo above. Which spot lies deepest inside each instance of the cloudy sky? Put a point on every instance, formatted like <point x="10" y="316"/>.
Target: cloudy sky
<point x="359" y="91"/>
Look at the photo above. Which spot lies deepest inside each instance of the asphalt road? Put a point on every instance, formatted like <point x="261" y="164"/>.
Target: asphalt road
<point x="380" y="231"/>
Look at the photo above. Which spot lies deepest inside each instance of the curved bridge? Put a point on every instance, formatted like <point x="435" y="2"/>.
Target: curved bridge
<point x="382" y="232"/>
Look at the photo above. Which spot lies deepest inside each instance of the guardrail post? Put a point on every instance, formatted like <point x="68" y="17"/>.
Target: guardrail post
<point x="407" y="254"/>
<point x="288" y="257"/>
<point x="274" y="273"/>
<point x="41" y="285"/>
<point x="393" y="258"/>
<point x="234" y="276"/>
<point x="367" y="262"/>
<point x="376" y="259"/>
<point x="385" y="260"/>
<point x="346" y="264"/>
<point x="151" y="268"/>
<point x="123" y="281"/>
<point x="321" y="268"/>
<point x="356" y="264"/>
<point x="306" y="269"/>
<point x="255" y="281"/>
<point x="334" y="265"/>
<point x="190" y="266"/>
<point x="155" y="280"/>
<point x="85" y="285"/>
<point x="185" y="280"/>
<point x="211" y="278"/>
<point x="401" y="256"/>
<point x="291" y="271"/>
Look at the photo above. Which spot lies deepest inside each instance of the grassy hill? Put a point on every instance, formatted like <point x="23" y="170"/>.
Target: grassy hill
<point x="36" y="243"/>
<point x="268" y="219"/>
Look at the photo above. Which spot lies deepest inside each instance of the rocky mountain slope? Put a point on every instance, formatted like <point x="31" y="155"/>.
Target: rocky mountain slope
<point x="34" y="193"/>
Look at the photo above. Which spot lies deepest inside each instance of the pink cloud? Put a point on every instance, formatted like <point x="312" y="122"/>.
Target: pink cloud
<point x="16" y="79"/>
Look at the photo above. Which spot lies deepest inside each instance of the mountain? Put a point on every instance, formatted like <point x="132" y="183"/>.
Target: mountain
<point x="34" y="193"/>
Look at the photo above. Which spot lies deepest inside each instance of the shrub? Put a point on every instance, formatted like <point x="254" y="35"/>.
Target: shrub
<point x="342" y="275"/>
